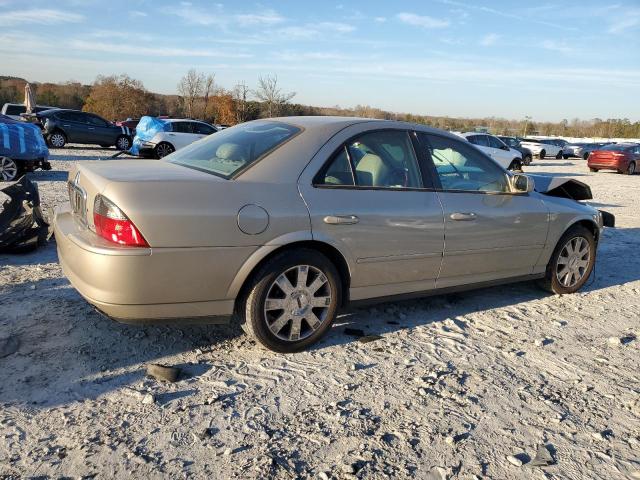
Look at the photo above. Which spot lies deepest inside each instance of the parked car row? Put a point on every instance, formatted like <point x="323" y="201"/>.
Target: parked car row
<point x="620" y="157"/>
<point x="508" y="158"/>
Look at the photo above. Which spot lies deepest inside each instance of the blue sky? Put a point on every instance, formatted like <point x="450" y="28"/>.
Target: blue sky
<point x="549" y="60"/>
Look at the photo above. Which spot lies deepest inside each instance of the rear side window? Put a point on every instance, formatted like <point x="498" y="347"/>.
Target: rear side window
<point x="234" y="149"/>
<point x="383" y="159"/>
<point x="494" y="142"/>
<point x="15" y="109"/>
<point x="181" y="127"/>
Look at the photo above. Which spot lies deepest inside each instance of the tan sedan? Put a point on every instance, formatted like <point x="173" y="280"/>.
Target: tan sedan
<point x="285" y="221"/>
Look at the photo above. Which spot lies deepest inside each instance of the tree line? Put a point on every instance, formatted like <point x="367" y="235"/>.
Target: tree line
<point x="118" y="97"/>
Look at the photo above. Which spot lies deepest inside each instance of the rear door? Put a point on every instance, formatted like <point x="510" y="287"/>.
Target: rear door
<point x="490" y="233"/>
<point x="368" y="197"/>
<point x="181" y="134"/>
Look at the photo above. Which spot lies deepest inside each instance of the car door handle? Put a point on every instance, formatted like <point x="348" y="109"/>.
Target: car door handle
<point x="341" y="219"/>
<point x="462" y="217"/>
<point x="91" y="128"/>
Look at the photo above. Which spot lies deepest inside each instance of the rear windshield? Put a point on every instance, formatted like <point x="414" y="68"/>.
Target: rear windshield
<point x="230" y="150"/>
<point x="616" y="147"/>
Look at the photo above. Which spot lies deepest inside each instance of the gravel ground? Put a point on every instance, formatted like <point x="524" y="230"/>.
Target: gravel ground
<point x="461" y="386"/>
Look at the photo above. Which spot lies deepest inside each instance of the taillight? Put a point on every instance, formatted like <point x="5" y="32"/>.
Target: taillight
<point x="113" y="225"/>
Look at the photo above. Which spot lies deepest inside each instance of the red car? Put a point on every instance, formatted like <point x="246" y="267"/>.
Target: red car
<point x="621" y="157"/>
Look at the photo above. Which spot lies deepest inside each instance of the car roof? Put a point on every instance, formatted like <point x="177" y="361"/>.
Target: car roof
<point x="171" y="120"/>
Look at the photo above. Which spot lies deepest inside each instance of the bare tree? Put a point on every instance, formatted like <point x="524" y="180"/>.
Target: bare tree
<point x="269" y="93"/>
<point x="240" y="95"/>
<point x="190" y="88"/>
<point x="209" y="91"/>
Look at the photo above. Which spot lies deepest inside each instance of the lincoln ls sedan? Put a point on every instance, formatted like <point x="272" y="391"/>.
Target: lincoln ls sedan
<point x="281" y="223"/>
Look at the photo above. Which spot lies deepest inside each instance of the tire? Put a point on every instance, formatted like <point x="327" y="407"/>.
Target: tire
<point x="543" y="153"/>
<point x="527" y="160"/>
<point x="593" y="169"/>
<point x="566" y="157"/>
<point x="9" y="169"/>
<point x="559" y="155"/>
<point x="556" y="281"/>
<point x="585" y="156"/>
<point x="123" y="143"/>
<point x="268" y="326"/>
<point x="57" y="139"/>
<point x="163" y="149"/>
<point x="631" y="169"/>
<point x="516" y="165"/>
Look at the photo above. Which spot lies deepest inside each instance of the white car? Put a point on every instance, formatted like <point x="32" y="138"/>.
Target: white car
<point x="542" y="147"/>
<point x="183" y="132"/>
<point x="15" y="110"/>
<point x="498" y="150"/>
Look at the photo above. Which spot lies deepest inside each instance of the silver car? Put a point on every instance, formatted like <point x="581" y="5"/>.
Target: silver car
<point x="283" y="222"/>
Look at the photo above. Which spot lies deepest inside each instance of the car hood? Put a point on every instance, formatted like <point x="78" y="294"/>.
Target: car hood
<point x="562" y="187"/>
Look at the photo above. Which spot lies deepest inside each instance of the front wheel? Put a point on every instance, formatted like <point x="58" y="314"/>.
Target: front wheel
<point x="631" y="169"/>
<point x="543" y="153"/>
<point x="516" y="165"/>
<point x="57" y="140"/>
<point x="593" y="169"/>
<point x="292" y="301"/>
<point x="559" y="155"/>
<point x="566" y="157"/>
<point x="527" y="160"/>
<point x="572" y="261"/>
<point x="123" y="143"/>
<point x="9" y="169"/>
<point x="163" y="149"/>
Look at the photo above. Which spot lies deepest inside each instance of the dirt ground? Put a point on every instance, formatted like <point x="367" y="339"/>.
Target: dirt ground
<point x="461" y="386"/>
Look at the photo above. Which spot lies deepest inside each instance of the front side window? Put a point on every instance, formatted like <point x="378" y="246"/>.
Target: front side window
<point x="463" y="168"/>
<point x="233" y="149"/>
<point x="181" y="127"/>
<point x="383" y="159"/>
<point x="97" y="121"/>
<point x="202" y="128"/>
<point x="494" y="142"/>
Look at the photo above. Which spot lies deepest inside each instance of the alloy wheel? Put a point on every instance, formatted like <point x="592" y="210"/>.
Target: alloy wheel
<point x="8" y="169"/>
<point x="123" y="143"/>
<point x="163" y="150"/>
<point x="297" y="303"/>
<point x="57" y="140"/>
<point x="573" y="261"/>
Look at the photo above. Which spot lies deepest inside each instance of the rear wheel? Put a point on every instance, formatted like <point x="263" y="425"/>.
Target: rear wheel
<point x="9" y="169"/>
<point x="585" y="155"/>
<point x="291" y="301"/>
<point x="543" y="153"/>
<point x="566" y="157"/>
<point x="593" y="169"/>
<point x="572" y="261"/>
<point x="163" y="149"/>
<point x="559" y="155"/>
<point x="123" y="143"/>
<point x="57" y="139"/>
<point x="516" y="165"/>
<point x="631" y="169"/>
<point x="527" y="159"/>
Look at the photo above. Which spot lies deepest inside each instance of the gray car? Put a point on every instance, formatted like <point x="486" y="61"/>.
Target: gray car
<point x="283" y="222"/>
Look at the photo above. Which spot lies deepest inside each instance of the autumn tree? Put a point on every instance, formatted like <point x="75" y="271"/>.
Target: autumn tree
<point x="240" y="98"/>
<point x="117" y="97"/>
<point x="272" y="96"/>
<point x="190" y="89"/>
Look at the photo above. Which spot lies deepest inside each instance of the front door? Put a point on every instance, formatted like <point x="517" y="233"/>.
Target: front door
<point x="101" y="131"/>
<point x="490" y="232"/>
<point x="370" y="201"/>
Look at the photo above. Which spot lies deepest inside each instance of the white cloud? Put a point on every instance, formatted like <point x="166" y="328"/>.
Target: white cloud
<point x="309" y="31"/>
<point x="557" y="47"/>
<point x="38" y="16"/>
<point x="380" y="19"/>
<point x="128" y="49"/>
<point x="137" y="13"/>
<point x="337" y="27"/>
<point x="423" y="21"/>
<point x="489" y="40"/>
<point x="622" y="24"/>
<point x="266" y="18"/>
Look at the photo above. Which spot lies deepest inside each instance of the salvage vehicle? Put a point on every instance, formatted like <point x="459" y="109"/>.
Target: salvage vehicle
<point x="514" y="143"/>
<point x="541" y="148"/>
<point x="178" y="134"/>
<point x="22" y="149"/>
<point x="283" y="222"/>
<point x="507" y="157"/>
<point x="15" y="110"/>
<point x="621" y="157"/>
<point x="62" y="126"/>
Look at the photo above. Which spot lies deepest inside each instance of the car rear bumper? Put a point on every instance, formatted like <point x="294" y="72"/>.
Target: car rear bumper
<point x="148" y="285"/>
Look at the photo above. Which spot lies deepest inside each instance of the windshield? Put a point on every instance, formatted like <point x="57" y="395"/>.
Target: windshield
<point x="227" y="152"/>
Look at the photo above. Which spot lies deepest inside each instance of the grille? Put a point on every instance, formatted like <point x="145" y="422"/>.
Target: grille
<point x="78" y="200"/>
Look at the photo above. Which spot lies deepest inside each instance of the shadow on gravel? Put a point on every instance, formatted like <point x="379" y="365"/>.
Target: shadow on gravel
<point x="51" y="176"/>
<point x="68" y="352"/>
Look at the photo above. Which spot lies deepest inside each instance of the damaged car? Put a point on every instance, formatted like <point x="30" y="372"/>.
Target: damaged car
<point x="283" y="222"/>
<point x="22" y="149"/>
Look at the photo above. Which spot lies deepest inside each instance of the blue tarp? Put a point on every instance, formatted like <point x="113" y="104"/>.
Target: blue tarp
<point x="21" y="140"/>
<point x="146" y="130"/>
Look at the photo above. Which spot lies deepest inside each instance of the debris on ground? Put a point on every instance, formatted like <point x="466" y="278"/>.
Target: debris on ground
<point x="163" y="372"/>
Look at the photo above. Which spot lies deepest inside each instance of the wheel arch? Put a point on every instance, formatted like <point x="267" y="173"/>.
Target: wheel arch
<point x="243" y="278"/>
<point x="588" y="224"/>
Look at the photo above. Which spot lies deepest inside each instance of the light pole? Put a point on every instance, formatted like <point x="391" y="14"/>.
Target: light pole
<point x="526" y="124"/>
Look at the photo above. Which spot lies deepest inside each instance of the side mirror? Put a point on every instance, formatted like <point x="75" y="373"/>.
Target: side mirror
<point x="522" y="183"/>
<point x="505" y="147"/>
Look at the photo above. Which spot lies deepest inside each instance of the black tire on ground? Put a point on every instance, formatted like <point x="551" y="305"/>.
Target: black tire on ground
<point x="631" y="169"/>
<point x="593" y="169"/>
<point x="551" y="282"/>
<point x="10" y="170"/>
<point x="585" y="156"/>
<point x="543" y="153"/>
<point x="566" y="157"/>
<point x="254" y="318"/>
<point x="527" y="160"/>
<point x="57" y="139"/>
<point x="123" y="143"/>
<point x="163" y="149"/>
<point x="515" y="165"/>
<point x="559" y="155"/>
